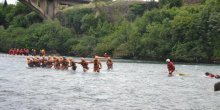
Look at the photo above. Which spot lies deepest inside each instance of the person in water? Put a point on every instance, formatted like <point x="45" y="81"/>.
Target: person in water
<point x="10" y="52"/>
<point x="56" y="62"/>
<point x="72" y="64"/>
<point x="106" y="55"/>
<point x="14" y="51"/>
<point x="30" y="62"/>
<point x="43" y="62"/>
<point x="109" y="63"/>
<point x="170" y="67"/>
<point x="65" y="63"/>
<point x="210" y="75"/>
<point x="84" y="64"/>
<point x="50" y="62"/>
<point x="97" y="64"/>
<point x="36" y="61"/>
<point x="42" y="52"/>
<point x="61" y="63"/>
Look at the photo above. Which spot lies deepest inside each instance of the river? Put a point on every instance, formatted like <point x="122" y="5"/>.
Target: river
<point x="132" y="85"/>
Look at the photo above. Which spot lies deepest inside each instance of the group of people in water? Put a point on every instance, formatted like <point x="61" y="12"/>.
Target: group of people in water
<point x="64" y="63"/>
<point x="26" y="52"/>
<point x="61" y="62"/>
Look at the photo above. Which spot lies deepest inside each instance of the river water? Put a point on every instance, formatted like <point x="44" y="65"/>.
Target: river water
<point x="132" y="85"/>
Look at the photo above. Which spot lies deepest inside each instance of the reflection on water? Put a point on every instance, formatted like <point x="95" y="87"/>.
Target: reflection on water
<point x="131" y="85"/>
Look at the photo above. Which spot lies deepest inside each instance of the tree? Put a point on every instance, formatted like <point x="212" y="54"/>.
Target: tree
<point x="5" y="4"/>
<point x="171" y="3"/>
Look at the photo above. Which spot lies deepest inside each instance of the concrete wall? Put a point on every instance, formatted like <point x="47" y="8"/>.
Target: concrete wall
<point x="51" y="8"/>
<point x="47" y="9"/>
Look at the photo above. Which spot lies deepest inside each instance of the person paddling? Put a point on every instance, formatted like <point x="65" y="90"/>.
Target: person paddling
<point x="170" y="67"/>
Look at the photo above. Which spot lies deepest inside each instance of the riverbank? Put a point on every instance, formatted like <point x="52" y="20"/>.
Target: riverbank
<point x="118" y="59"/>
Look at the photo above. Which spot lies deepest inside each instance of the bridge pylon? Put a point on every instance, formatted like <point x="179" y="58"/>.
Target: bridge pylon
<point x="47" y="9"/>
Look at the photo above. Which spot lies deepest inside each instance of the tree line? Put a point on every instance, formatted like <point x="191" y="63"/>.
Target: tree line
<point x="151" y="30"/>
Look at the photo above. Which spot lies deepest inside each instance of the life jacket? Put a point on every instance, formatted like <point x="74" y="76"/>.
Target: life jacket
<point x="20" y="51"/>
<point x="27" y="51"/>
<point x="170" y="66"/>
<point x="14" y="51"/>
<point x="17" y="52"/>
<point x="9" y="52"/>
<point x="211" y="75"/>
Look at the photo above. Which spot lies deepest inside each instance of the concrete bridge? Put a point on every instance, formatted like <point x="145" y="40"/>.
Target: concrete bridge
<point x="47" y="9"/>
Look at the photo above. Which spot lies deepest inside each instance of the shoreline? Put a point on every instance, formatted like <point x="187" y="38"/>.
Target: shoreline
<point x="149" y="60"/>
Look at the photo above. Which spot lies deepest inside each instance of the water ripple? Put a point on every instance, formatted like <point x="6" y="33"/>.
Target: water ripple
<point x="132" y="85"/>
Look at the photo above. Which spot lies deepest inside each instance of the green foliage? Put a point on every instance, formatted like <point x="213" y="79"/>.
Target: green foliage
<point x="171" y="3"/>
<point x="50" y="35"/>
<point x="17" y="16"/>
<point x="183" y="33"/>
<point x="136" y="10"/>
<point x="73" y="19"/>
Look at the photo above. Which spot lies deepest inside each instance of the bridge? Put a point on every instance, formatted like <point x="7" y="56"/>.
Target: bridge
<point x="47" y="9"/>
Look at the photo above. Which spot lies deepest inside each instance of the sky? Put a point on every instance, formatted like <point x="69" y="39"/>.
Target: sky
<point x="9" y="1"/>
